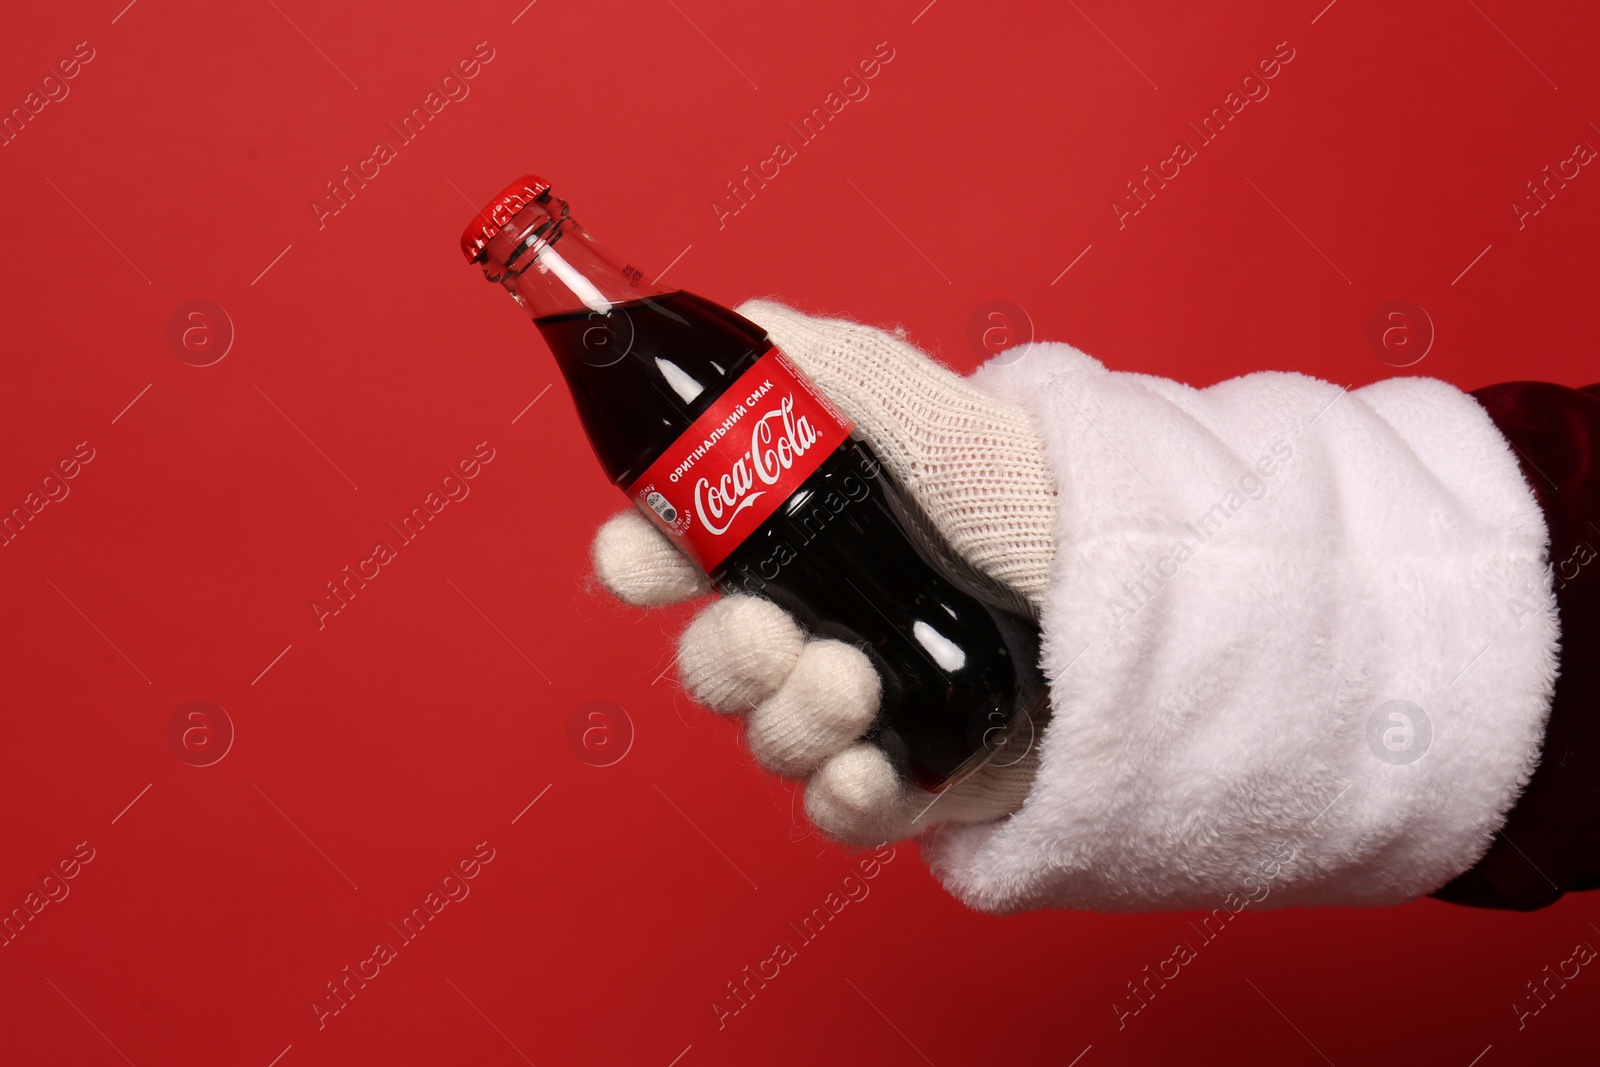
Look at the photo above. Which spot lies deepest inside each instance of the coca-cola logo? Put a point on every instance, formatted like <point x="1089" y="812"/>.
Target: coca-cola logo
<point x="749" y="451"/>
<point x="777" y="439"/>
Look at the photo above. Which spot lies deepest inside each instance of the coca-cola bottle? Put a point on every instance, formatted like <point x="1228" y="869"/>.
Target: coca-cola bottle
<point x="754" y="474"/>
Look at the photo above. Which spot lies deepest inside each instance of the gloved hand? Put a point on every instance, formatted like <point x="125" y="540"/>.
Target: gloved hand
<point x="975" y="464"/>
<point x="1238" y="587"/>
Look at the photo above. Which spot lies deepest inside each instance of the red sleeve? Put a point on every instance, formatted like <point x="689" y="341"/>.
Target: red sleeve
<point x="1550" y="843"/>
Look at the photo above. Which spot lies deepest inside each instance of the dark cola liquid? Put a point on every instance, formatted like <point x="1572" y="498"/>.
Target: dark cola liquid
<point x="847" y="554"/>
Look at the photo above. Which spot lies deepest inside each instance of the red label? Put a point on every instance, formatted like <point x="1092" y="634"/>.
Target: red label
<point x="740" y="460"/>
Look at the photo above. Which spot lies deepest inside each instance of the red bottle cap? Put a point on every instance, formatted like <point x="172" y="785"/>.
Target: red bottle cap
<point x="512" y="199"/>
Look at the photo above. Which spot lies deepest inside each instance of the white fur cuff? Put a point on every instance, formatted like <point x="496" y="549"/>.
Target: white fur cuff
<point x="1284" y="620"/>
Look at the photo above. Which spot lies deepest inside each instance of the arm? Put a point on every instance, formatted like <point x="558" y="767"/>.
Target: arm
<point x="1275" y="620"/>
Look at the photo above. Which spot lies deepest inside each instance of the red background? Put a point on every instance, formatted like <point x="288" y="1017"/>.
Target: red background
<point x="428" y="714"/>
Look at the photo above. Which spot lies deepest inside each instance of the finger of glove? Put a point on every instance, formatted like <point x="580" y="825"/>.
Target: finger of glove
<point x="638" y="564"/>
<point x="737" y="652"/>
<point x="826" y="702"/>
<point x="857" y="798"/>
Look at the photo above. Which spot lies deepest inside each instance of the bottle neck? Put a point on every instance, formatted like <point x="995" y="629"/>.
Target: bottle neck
<point x="642" y="363"/>
<point x="550" y="265"/>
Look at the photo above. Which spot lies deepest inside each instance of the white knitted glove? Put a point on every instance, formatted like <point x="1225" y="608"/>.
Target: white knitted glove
<point x="975" y="464"/>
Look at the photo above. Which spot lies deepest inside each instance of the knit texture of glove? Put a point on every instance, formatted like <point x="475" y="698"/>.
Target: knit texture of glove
<point x="975" y="465"/>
